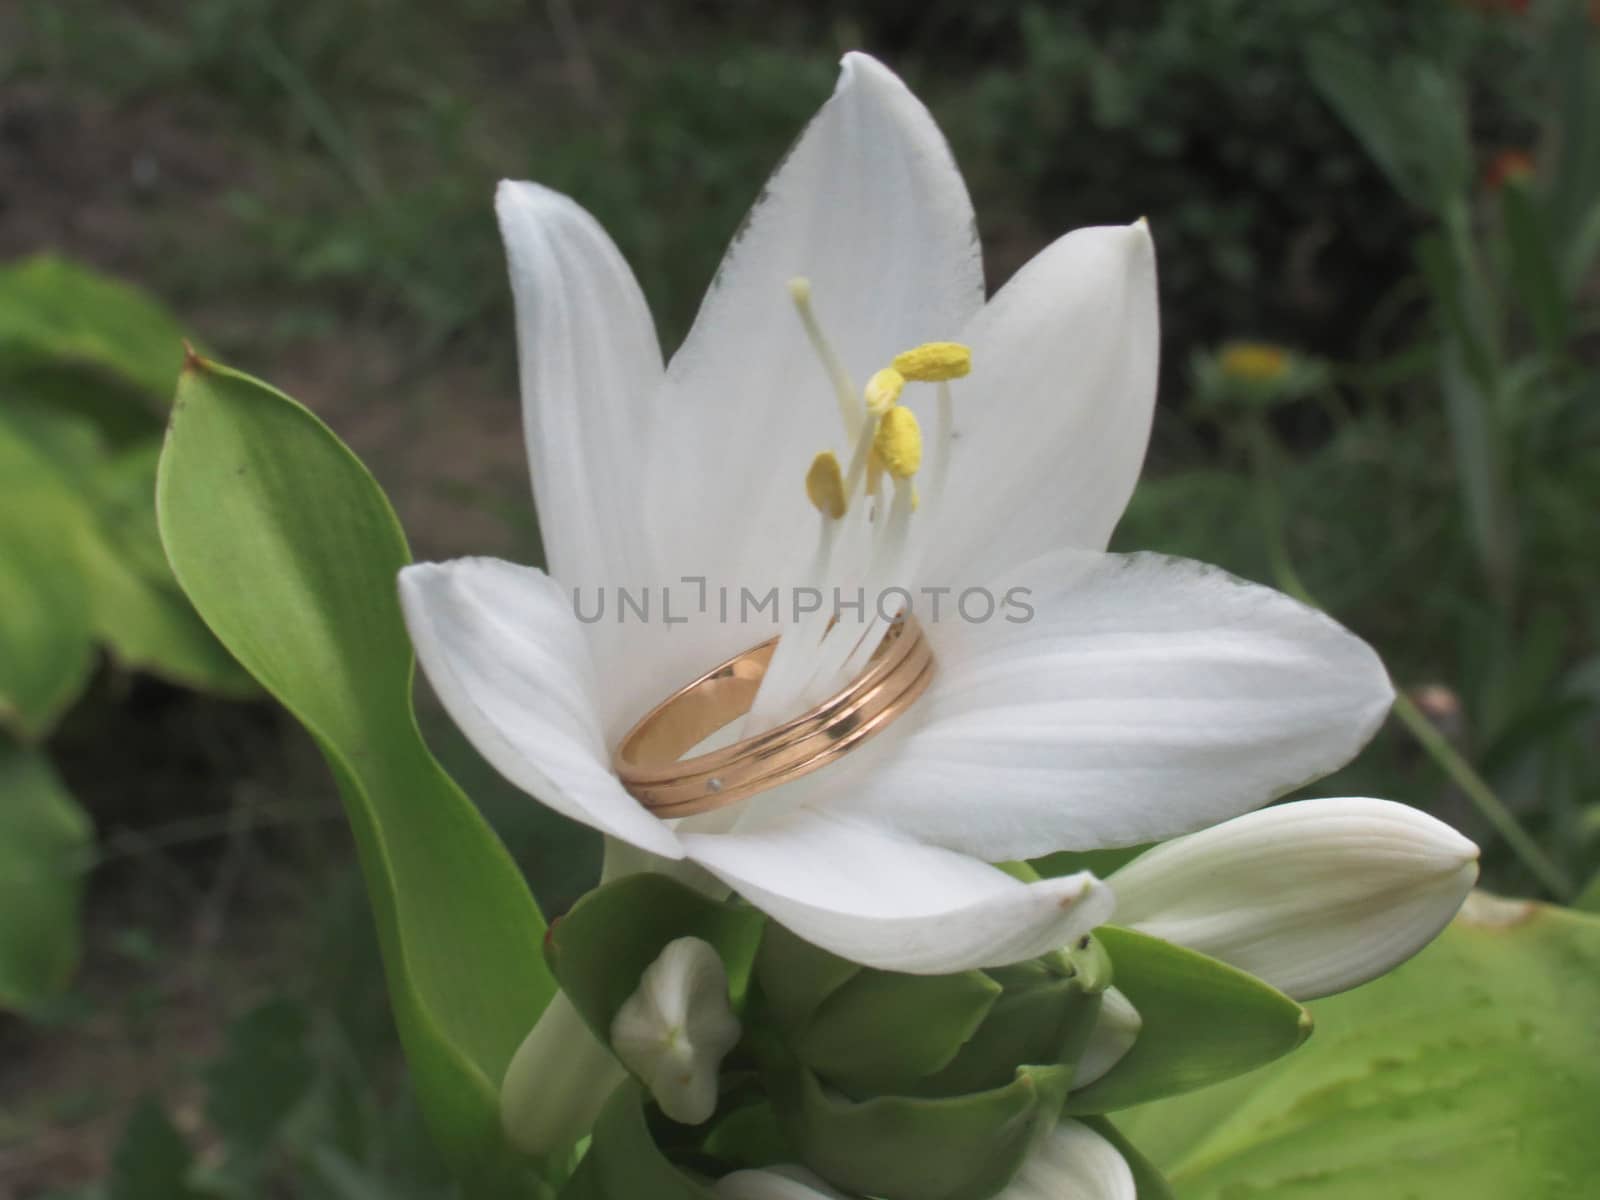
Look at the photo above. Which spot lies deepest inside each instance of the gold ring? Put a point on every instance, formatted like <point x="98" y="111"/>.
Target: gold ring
<point x="650" y="762"/>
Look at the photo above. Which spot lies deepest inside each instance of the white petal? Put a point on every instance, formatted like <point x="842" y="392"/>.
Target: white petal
<point x="508" y="659"/>
<point x="1147" y="697"/>
<point x="1052" y="423"/>
<point x="875" y="898"/>
<point x="775" y="1183"/>
<point x="675" y="1029"/>
<point x="870" y="207"/>
<point x="1115" y="1030"/>
<point x="1073" y="1162"/>
<point x="591" y="370"/>
<point x="1314" y="897"/>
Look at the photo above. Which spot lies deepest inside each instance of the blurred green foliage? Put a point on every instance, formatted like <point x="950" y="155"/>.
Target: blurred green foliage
<point x="86" y="368"/>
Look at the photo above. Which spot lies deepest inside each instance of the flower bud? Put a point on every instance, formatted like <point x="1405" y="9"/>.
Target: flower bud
<point x="775" y="1183"/>
<point x="1314" y="897"/>
<point x="1073" y="1162"/>
<point x="1113" y="1035"/>
<point x="917" y="1087"/>
<point x="675" y="1030"/>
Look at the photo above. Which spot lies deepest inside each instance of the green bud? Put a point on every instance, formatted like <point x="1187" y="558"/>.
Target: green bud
<point x="906" y="1148"/>
<point x="867" y="1032"/>
<point x="917" y="1087"/>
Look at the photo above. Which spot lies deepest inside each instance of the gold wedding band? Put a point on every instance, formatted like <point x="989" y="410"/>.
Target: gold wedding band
<point x="650" y="761"/>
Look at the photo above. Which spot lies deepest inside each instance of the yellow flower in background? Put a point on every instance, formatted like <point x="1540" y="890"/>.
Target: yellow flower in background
<point x="1255" y="362"/>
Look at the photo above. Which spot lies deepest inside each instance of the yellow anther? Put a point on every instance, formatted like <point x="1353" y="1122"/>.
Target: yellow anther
<point x="825" y="485"/>
<point x="883" y="389"/>
<point x="1255" y="362"/>
<point x="899" y="442"/>
<point x="874" y="472"/>
<point x="933" y="362"/>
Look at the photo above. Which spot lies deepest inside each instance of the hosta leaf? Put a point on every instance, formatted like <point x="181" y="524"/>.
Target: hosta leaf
<point x="151" y="1159"/>
<point x="46" y="638"/>
<point x="289" y="551"/>
<point x="44" y="845"/>
<point x="135" y="605"/>
<point x="55" y="313"/>
<point x="1469" y="1072"/>
<point x="1203" y="1021"/>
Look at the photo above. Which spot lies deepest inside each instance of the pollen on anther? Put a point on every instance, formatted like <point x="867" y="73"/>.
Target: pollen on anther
<point x="825" y="485"/>
<point x="883" y="390"/>
<point x="934" y="362"/>
<point x="899" y="442"/>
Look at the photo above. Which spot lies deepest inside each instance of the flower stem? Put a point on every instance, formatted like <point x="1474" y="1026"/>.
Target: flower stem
<point x="1427" y="734"/>
<point x="1483" y="797"/>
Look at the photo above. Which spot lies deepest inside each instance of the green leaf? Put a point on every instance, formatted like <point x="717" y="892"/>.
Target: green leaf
<point x="797" y="978"/>
<point x="1045" y="1018"/>
<point x="44" y="846"/>
<point x="151" y="1159"/>
<point x="55" y="312"/>
<point x="263" y="1073"/>
<point x="1470" y="1072"/>
<point x="289" y="551"/>
<point x="749" y="1137"/>
<point x="885" y="1032"/>
<point x="1203" y="1021"/>
<point x="1533" y="265"/>
<point x="599" y="950"/>
<point x="624" y="1162"/>
<point x="46" y="641"/>
<point x="1589" y="898"/>
<point x="899" y="1148"/>
<point x="135" y="605"/>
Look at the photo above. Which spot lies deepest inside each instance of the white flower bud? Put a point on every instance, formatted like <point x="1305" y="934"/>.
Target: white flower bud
<point x="1314" y="897"/>
<point x="559" y="1057"/>
<point x="675" y="1030"/>
<point x="1115" y="1030"/>
<point x="775" y="1183"/>
<point x="1072" y="1162"/>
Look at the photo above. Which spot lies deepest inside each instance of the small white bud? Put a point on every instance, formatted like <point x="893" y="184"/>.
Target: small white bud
<point x="674" y="1032"/>
<point x="775" y="1183"/>
<point x="1115" y="1030"/>
<point x="1072" y="1162"/>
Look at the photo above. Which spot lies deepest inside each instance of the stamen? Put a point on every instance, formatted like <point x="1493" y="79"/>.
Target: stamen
<point x="883" y="390"/>
<point x="899" y="442"/>
<point x="844" y="390"/>
<point x="934" y="362"/>
<point x="825" y="485"/>
<point x="874" y="471"/>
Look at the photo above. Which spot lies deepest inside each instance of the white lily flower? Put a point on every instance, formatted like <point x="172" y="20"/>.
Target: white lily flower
<point x="775" y="1183"/>
<point x="1072" y="1162"/>
<point x="1314" y="897"/>
<point x="675" y="1030"/>
<point x="1145" y="698"/>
